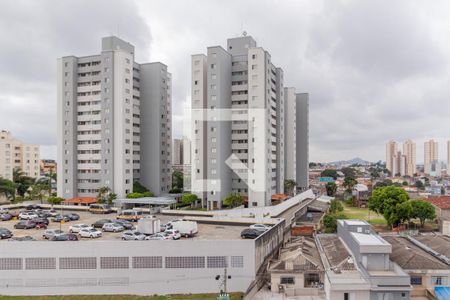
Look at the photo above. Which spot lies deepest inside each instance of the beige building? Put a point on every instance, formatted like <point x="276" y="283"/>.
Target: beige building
<point x="430" y="155"/>
<point x="16" y="155"/>
<point x="448" y="157"/>
<point x="391" y="150"/>
<point x="409" y="151"/>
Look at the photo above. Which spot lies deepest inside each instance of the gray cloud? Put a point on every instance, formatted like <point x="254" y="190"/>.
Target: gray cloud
<point x="375" y="70"/>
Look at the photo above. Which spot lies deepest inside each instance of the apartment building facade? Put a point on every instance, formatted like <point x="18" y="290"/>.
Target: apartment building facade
<point x="16" y="155"/>
<point x="239" y="124"/>
<point x="391" y="150"/>
<point x="431" y="158"/>
<point x="113" y="117"/>
<point x="409" y="150"/>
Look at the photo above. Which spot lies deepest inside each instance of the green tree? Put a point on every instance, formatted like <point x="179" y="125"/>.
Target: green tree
<point x="189" y="198"/>
<point x="336" y="206"/>
<point x="233" y="200"/>
<point x="391" y="202"/>
<point x="386" y="182"/>
<point x="289" y="186"/>
<point x="138" y="187"/>
<point x="349" y="172"/>
<point x="331" y="188"/>
<point x="422" y="210"/>
<point x="8" y="189"/>
<point x="22" y="182"/>
<point x="177" y="180"/>
<point x="330" y="221"/>
<point x="329" y="173"/>
<point x="111" y="198"/>
<point x="103" y="194"/>
<point x="37" y="192"/>
<point x="55" y="200"/>
<point x="349" y="183"/>
<point x="140" y="195"/>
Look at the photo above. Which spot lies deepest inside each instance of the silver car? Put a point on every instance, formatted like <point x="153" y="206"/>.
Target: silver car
<point x="48" y="234"/>
<point x="112" y="227"/>
<point x="133" y="236"/>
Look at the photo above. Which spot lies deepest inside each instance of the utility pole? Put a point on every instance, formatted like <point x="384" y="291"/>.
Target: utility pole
<point x="223" y="294"/>
<point x="225" y="280"/>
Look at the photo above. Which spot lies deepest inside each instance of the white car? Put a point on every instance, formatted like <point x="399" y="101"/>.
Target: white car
<point x="3" y="210"/>
<point x="27" y="215"/>
<point x="90" y="233"/>
<point x="48" y="234"/>
<point x="133" y="236"/>
<point x="158" y="236"/>
<point x="114" y="227"/>
<point x="260" y="227"/>
<point x="173" y="234"/>
<point x="77" y="227"/>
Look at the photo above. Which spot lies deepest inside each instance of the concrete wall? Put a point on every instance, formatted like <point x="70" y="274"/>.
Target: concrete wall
<point x="302" y="140"/>
<point x="124" y="267"/>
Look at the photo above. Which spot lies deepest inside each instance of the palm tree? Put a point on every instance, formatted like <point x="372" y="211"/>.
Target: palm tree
<point x="8" y="188"/>
<point x="289" y="186"/>
<point x="103" y="194"/>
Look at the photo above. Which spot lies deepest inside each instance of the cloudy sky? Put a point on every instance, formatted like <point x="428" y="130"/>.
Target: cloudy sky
<point x="375" y="70"/>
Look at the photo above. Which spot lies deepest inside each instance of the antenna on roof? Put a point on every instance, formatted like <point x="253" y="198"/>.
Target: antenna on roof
<point x="244" y="33"/>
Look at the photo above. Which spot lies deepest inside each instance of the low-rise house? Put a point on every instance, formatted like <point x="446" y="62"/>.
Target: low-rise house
<point x="298" y="271"/>
<point x="360" y="195"/>
<point x="426" y="268"/>
<point x="442" y="207"/>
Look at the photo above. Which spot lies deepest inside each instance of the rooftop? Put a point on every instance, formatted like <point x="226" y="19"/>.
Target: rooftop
<point x="443" y="202"/>
<point x="411" y="257"/>
<point x="367" y="239"/>
<point x="355" y="222"/>
<point x="336" y="253"/>
<point x="439" y="243"/>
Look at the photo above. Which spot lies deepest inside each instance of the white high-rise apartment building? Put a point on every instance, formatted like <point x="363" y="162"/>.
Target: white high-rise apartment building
<point x="399" y="164"/>
<point x="239" y="127"/>
<point x="391" y="150"/>
<point x="409" y="151"/>
<point x="177" y="152"/>
<point x="430" y="156"/>
<point x="16" y="155"/>
<point x="114" y="122"/>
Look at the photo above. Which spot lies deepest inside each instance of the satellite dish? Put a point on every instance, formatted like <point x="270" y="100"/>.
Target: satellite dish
<point x="244" y="33"/>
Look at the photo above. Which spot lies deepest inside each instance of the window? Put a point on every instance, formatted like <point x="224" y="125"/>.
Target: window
<point x="254" y="67"/>
<point x="287" y="280"/>
<point x="213" y="171"/>
<point x="213" y="97"/>
<point x="217" y="261"/>
<point x="10" y="263"/>
<point x="213" y="150"/>
<point x="113" y="262"/>
<point x="147" y="262"/>
<point x="213" y="76"/>
<point x="185" y="262"/>
<point x="439" y="280"/>
<point x="213" y="86"/>
<point x="40" y="263"/>
<point x="196" y="62"/>
<point x="253" y="56"/>
<point x="213" y="66"/>
<point x="78" y="263"/>
<point x="416" y="280"/>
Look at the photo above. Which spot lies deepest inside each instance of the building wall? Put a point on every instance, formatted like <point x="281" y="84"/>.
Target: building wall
<point x="290" y="145"/>
<point x="16" y="155"/>
<point x="302" y="140"/>
<point x="156" y="131"/>
<point x="132" y="267"/>
<point x="409" y="150"/>
<point x="430" y="155"/>
<point x="391" y="150"/>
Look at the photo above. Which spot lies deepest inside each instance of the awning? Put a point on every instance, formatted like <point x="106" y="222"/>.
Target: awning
<point x="81" y="200"/>
<point x="442" y="292"/>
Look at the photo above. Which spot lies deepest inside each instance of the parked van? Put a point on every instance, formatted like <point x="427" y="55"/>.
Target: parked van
<point x="149" y="225"/>
<point x="132" y="215"/>
<point x="186" y="228"/>
<point x="100" y="209"/>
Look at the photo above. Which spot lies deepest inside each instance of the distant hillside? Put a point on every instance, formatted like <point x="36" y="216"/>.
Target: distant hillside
<point x="352" y="161"/>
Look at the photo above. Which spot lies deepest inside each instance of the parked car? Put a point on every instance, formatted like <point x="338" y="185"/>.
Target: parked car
<point x="22" y="238"/>
<point x="4" y="210"/>
<point x="41" y="220"/>
<point x="133" y="236"/>
<point x="100" y="209"/>
<point x="260" y="227"/>
<point x="65" y="237"/>
<point x="50" y="212"/>
<point x="48" y="234"/>
<point x="73" y="217"/>
<point x="25" y="225"/>
<point x="5" y="217"/>
<point x="14" y="214"/>
<point x="158" y="236"/>
<point x="40" y="226"/>
<point x="90" y="233"/>
<point x="77" y="227"/>
<point x="125" y="224"/>
<point x="33" y="206"/>
<point x="112" y="227"/>
<point x="250" y="233"/>
<point x="173" y="234"/>
<point x="58" y="218"/>
<point x="101" y="222"/>
<point x="5" y="233"/>
<point x="28" y="215"/>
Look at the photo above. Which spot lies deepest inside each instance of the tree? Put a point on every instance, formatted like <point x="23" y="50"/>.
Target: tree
<point x="386" y="182"/>
<point x="391" y="202"/>
<point x="329" y="173"/>
<point x="349" y="183"/>
<point x="422" y="210"/>
<point x="140" y="195"/>
<point x="189" y="198"/>
<point x="55" y="200"/>
<point x="289" y="186"/>
<point x="111" y="198"/>
<point x="331" y="188"/>
<point x="103" y="194"/>
<point x="330" y="221"/>
<point x="336" y="206"/>
<point x="177" y="180"/>
<point x="138" y="187"/>
<point x="349" y="172"/>
<point x="22" y="182"/>
<point x="37" y="192"/>
<point x="233" y="200"/>
<point x="8" y="189"/>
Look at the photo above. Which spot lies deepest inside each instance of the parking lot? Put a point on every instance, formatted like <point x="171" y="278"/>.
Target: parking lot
<point x="205" y="231"/>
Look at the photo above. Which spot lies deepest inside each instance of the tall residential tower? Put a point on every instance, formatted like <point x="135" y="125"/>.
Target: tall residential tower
<point x="114" y="122"/>
<point x="430" y="157"/>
